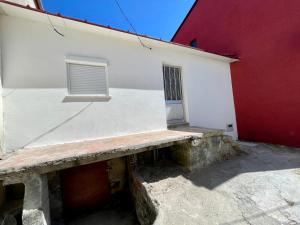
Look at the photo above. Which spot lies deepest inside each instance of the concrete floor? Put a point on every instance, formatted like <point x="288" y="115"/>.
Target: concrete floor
<point x="119" y="210"/>
<point x="258" y="188"/>
<point x="107" y="217"/>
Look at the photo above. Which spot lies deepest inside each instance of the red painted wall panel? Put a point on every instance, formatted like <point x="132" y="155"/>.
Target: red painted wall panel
<point x="266" y="82"/>
<point x="85" y="187"/>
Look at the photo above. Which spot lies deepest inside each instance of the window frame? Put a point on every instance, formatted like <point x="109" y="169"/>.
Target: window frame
<point x="194" y="43"/>
<point x="181" y="83"/>
<point x="87" y="62"/>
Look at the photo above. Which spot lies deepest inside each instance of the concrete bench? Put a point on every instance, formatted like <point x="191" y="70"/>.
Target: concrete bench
<point x="30" y="166"/>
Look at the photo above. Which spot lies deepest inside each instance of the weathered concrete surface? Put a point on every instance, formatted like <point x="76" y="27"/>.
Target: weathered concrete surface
<point x="11" y="209"/>
<point x="2" y="194"/>
<point x="117" y="174"/>
<point x="9" y="220"/>
<point x="36" y="201"/>
<point x="55" y="198"/>
<point x="118" y="211"/>
<point x="51" y="158"/>
<point x="203" y="152"/>
<point x="146" y="209"/>
<point x="259" y="188"/>
<point x="107" y="217"/>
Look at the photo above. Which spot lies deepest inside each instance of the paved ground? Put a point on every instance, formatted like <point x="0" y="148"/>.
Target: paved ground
<point x="119" y="211"/>
<point x="107" y="217"/>
<point x="260" y="188"/>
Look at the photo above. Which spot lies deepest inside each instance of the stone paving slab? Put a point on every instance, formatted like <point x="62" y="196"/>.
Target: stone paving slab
<point x="258" y="188"/>
<point x="50" y="158"/>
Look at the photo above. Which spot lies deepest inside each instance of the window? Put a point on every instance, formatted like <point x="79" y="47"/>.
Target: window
<point x="172" y="83"/>
<point x="87" y="80"/>
<point x="194" y="43"/>
<point x="87" y="77"/>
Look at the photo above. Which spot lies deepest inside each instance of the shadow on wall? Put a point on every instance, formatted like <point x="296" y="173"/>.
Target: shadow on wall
<point x="39" y="104"/>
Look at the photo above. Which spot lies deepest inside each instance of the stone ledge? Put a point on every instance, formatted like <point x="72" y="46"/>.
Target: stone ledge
<point x="46" y="159"/>
<point x="196" y="155"/>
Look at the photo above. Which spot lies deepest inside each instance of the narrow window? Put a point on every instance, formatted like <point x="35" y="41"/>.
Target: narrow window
<point x="87" y="78"/>
<point x="172" y="83"/>
<point x="194" y="43"/>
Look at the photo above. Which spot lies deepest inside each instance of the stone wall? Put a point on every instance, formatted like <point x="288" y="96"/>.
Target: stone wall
<point x="55" y="198"/>
<point x="146" y="210"/>
<point x="2" y="194"/>
<point x="200" y="153"/>
<point x="11" y="203"/>
<point x="197" y="154"/>
<point x="36" y="201"/>
<point x="117" y="174"/>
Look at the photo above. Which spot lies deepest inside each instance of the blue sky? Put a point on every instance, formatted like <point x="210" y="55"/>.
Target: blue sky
<point x="156" y="18"/>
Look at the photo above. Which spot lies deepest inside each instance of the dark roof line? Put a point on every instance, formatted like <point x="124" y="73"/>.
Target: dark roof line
<point x="81" y="21"/>
<point x="187" y="15"/>
<point x="38" y="4"/>
<point x="102" y="26"/>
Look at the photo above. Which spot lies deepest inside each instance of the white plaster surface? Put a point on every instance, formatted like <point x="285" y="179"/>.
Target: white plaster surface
<point x="208" y="89"/>
<point x="24" y="2"/>
<point x="35" y="84"/>
<point x="36" y="201"/>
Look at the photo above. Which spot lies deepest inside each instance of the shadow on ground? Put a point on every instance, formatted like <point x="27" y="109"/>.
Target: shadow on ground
<point x="258" y="188"/>
<point x="119" y="210"/>
<point x="258" y="158"/>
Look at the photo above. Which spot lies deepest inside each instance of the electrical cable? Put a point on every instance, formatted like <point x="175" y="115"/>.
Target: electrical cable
<point x="53" y="27"/>
<point x="131" y="25"/>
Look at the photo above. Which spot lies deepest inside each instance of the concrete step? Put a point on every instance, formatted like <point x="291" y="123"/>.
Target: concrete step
<point x="178" y="124"/>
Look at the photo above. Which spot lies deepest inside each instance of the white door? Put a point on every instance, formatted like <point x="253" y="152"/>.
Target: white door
<point x="173" y="94"/>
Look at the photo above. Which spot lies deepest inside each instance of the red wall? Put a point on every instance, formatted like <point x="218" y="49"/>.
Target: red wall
<point x="265" y="35"/>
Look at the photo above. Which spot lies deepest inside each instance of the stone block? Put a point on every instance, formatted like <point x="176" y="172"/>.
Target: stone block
<point x="2" y="194"/>
<point x="116" y="174"/>
<point x="146" y="210"/>
<point x="55" y="198"/>
<point x="34" y="217"/>
<point x="36" y="201"/>
<point x="203" y="152"/>
<point x="8" y="220"/>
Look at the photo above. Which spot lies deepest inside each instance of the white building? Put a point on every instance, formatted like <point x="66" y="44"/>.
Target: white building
<point x="65" y="81"/>
<point x="92" y="82"/>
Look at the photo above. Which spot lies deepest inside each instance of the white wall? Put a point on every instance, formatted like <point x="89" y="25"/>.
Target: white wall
<point x="208" y="96"/>
<point x="24" y="2"/>
<point x="209" y="91"/>
<point x="35" y="85"/>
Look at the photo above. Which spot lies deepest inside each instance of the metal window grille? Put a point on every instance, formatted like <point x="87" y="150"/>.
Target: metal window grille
<point x="172" y="83"/>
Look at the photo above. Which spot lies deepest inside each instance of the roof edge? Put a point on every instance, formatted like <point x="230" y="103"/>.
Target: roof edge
<point x="38" y="4"/>
<point x="187" y="15"/>
<point x="42" y="11"/>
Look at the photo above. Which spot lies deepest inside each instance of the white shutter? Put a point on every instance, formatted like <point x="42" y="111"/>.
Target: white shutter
<point x="87" y="79"/>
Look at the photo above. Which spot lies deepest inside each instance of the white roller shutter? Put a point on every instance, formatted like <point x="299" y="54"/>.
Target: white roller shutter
<point x="87" y="79"/>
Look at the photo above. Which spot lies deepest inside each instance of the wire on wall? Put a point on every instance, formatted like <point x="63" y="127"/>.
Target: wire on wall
<point x="53" y="27"/>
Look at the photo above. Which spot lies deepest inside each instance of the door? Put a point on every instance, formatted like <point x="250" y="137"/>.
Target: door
<point x="84" y="187"/>
<point x="173" y="94"/>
